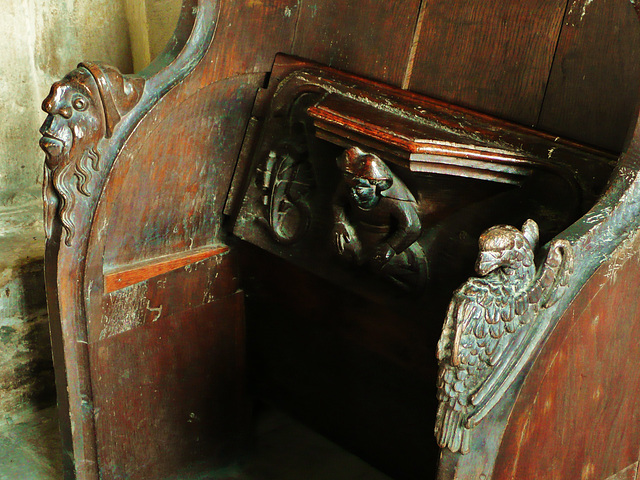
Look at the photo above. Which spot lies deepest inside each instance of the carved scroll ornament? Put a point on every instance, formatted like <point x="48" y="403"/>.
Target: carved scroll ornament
<point x="487" y="326"/>
<point x="84" y="107"/>
<point x="286" y="180"/>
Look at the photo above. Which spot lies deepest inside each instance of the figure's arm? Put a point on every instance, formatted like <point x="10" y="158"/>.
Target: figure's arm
<point x="338" y="204"/>
<point x="344" y="235"/>
<point x="407" y="231"/>
<point x="408" y="225"/>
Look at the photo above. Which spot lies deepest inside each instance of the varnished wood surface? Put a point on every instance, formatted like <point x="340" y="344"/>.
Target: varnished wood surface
<point x="358" y="35"/>
<point x="167" y="363"/>
<point x="169" y="184"/>
<point x="433" y="137"/>
<point x="167" y="177"/>
<point x="170" y="393"/>
<point x="507" y="34"/>
<point x="132" y="274"/>
<point x="162" y="295"/>
<point x="493" y="56"/>
<point x="578" y="415"/>
<point x="592" y="91"/>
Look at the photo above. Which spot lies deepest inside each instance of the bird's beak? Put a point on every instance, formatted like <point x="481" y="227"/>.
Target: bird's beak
<point x="487" y="262"/>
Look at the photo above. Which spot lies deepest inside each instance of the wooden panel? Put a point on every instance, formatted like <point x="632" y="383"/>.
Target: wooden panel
<point x="494" y="56"/>
<point x="593" y="89"/>
<point x="175" y="174"/>
<point x="368" y="37"/>
<point x="176" y="167"/>
<point x="170" y="392"/>
<point x="577" y="415"/>
<point x="72" y="275"/>
<point x="164" y="295"/>
<point x="177" y="340"/>
<point x="167" y="368"/>
<point x="249" y="34"/>
<point x="359" y="370"/>
<point x="629" y="473"/>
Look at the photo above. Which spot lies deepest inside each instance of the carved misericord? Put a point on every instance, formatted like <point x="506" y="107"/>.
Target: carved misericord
<point x="485" y="331"/>
<point x="376" y="222"/>
<point x="84" y="107"/>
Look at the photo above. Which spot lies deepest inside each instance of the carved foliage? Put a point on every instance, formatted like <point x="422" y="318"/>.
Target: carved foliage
<point x="286" y="180"/>
<point x="488" y="325"/>
<point x="83" y="108"/>
<point x="286" y="177"/>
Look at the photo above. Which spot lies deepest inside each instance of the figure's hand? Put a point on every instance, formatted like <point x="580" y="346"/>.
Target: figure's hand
<point x="382" y="255"/>
<point x="341" y="237"/>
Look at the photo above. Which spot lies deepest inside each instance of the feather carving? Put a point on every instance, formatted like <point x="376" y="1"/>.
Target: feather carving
<point x="485" y="331"/>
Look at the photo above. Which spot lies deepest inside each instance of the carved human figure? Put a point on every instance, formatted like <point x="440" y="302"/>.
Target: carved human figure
<point x="84" y="107"/>
<point x="376" y="222"/>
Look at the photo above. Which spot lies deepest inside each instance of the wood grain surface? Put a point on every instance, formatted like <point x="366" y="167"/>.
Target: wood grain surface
<point x="132" y="274"/>
<point x="367" y="37"/>
<point x="152" y="356"/>
<point x="170" y="392"/>
<point x="493" y="56"/>
<point x="577" y="415"/>
<point x="593" y="86"/>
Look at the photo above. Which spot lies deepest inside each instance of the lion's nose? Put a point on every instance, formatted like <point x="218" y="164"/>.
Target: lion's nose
<point x="47" y="105"/>
<point x="66" y="112"/>
<point x="53" y="104"/>
<point x="51" y="107"/>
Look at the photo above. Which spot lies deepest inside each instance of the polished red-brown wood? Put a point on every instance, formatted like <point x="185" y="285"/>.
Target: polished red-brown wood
<point x="170" y="393"/>
<point x="132" y="274"/>
<point x="356" y="36"/>
<point x="578" y="414"/>
<point x="493" y="56"/>
<point x="148" y="336"/>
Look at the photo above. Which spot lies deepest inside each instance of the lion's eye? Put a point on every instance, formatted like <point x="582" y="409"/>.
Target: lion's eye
<point x="80" y="103"/>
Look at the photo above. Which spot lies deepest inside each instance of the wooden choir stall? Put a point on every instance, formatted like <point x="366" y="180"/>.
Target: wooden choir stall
<point x="412" y="225"/>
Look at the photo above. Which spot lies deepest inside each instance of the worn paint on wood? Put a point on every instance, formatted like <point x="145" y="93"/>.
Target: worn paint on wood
<point x="162" y="295"/>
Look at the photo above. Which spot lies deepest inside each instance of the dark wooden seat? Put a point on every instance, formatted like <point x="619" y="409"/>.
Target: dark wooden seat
<point x="210" y="243"/>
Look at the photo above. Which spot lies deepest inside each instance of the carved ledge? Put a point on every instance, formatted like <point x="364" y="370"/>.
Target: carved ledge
<point x="418" y="142"/>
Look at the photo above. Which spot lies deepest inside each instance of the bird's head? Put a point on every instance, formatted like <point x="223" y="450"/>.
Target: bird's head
<point x="507" y="247"/>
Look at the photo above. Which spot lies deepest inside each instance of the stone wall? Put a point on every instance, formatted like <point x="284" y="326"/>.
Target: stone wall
<point x="42" y="40"/>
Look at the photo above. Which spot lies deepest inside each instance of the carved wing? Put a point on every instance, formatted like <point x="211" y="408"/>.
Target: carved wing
<point x="485" y="342"/>
<point x="550" y="284"/>
<point x="463" y="352"/>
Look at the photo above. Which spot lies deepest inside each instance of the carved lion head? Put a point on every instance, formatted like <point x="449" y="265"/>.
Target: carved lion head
<point x="82" y="108"/>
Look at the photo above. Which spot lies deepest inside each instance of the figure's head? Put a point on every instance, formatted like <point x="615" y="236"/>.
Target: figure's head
<point x="82" y="108"/>
<point x="366" y="175"/>
<point x="507" y="247"/>
<point x="75" y="118"/>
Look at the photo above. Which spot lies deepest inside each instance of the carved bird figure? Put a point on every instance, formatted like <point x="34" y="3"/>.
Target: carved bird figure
<point x="488" y="326"/>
